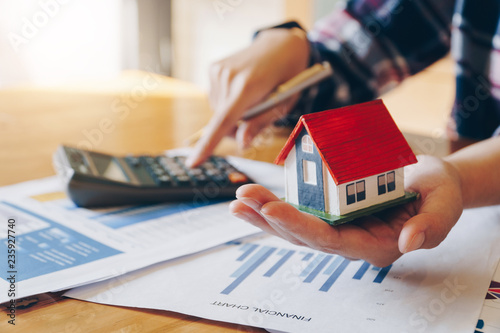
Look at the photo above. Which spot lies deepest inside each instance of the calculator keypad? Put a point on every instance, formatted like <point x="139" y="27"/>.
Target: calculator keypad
<point x="172" y="172"/>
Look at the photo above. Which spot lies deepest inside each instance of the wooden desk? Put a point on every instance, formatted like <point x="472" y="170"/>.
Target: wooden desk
<point x="140" y="113"/>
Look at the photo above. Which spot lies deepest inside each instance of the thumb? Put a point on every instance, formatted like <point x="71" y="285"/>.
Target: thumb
<point x="423" y="231"/>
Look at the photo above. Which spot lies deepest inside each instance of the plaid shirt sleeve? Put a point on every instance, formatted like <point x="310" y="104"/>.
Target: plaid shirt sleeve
<point x="476" y="50"/>
<point x="372" y="46"/>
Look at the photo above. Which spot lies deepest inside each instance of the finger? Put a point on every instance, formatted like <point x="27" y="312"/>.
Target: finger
<point x="215" y="84"/>
<point x="354" y="241"/>
<point x="257" y="192"/>
<point x="248" y="214"/>
<point x="216" y="129"/>
<point x="223" y="121"/>
<point x="220" y="80"/>
<point x="432" y="224"/>
<point x="232" y="132"/>
<point x="250" y="128"/>
<point x="370" y="239"/>
<point x="307" y="228"/>
<point x="255" y="196"/>
<point x="437" y="210"/>
<point x="229" y="109"/>
<point x="213" y="98"/>
<point x="304" y="227"/>
<point x="242" y="210"/>
<point x="424" y="231"/>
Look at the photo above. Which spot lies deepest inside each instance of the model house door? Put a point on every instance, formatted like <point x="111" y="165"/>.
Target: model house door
<point x="309" y="173"/>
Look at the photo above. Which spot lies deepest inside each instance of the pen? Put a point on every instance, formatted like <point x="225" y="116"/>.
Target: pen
<point x="301" y="81"/>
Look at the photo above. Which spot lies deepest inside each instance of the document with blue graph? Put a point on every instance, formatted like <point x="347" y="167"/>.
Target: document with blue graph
<point x="54" y="245"/>
<point x="267" y="282"/>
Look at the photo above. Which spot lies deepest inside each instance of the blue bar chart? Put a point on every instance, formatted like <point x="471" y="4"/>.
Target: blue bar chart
<point x="52" y="248"/>
<point x="323" y="269"/>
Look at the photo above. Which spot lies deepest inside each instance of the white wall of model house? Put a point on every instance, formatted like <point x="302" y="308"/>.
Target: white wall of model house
<point x="372" y="197"/>
<point x="336" y="195"/>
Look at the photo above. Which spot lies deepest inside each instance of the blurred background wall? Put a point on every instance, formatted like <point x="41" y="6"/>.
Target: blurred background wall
<point x="55" y="42"/>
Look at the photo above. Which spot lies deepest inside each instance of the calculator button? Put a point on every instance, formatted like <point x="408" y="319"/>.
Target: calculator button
<point x="196" y="172"/>
<point x="201" y="178"/>
<point x="180" y="174"/>
<point x="159" y="172"/>
<point x="212" y="172"/>
<point x="237" y="177"/>
<point x="198" y="177"/>
<point x="164" y="180"/>
<point x="172" y="171"/>
<point x="221" y="163"/>
<point x="83" y="169"/>
<point x="177" y="169"/>
<point x="181" y="159"/>
<point x="184" y="178"/>
<point x="220" y="179"/>
<point x="156" y="168"/>
<point x="208" y="165"/>
<point x="167" y="162"/>
<point x="76" y="157"/>
<point x="133" y="161"/>
<point x="149" y="160"/>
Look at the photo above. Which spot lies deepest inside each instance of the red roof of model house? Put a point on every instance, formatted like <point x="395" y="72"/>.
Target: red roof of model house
<point x="355" y="141"/>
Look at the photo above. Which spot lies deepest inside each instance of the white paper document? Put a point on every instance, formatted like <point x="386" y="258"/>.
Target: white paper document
<point x="50" y="244"/>
<point x="269" y="283"/>
<point x="489" y="320"/>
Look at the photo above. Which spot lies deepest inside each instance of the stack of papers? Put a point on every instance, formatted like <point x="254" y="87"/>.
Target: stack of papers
<point x="60" y="246"/>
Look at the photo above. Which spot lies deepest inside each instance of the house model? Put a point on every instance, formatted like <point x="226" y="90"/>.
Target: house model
<point x="345" y="163"/>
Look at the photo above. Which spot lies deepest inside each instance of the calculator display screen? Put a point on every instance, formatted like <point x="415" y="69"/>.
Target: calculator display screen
<point x="108" y="167"/>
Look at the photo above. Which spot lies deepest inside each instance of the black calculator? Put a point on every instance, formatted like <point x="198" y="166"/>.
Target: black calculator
<point x="94" y="179"/>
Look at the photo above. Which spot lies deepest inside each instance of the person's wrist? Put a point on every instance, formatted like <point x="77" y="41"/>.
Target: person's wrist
<point x="454" y="172"/>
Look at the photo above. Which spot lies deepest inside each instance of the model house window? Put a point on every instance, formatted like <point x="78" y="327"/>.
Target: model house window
<point x="360" y="191"/>
<point x="309" y="171"/>
<point x="381" y="184"/>
<point x="386" y="182"/>
<point x="307" y="144"/>
<point x="356" y="192"/>
<point x="351" y="194"/>
<point x="391" y="181"/>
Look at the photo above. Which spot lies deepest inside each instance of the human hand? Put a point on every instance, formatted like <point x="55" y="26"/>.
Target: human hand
<point x="380" y="239"/>
<point x="246" y="78"/>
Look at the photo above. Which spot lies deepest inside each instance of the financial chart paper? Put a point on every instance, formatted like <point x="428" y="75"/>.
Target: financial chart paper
<point x="270" y="283"/>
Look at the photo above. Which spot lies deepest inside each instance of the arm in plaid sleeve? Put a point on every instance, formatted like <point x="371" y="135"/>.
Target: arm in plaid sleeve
<point x="373" y="46"/>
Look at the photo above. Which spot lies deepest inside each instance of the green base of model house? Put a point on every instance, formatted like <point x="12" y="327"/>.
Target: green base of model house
<point x="336" y="220"/>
